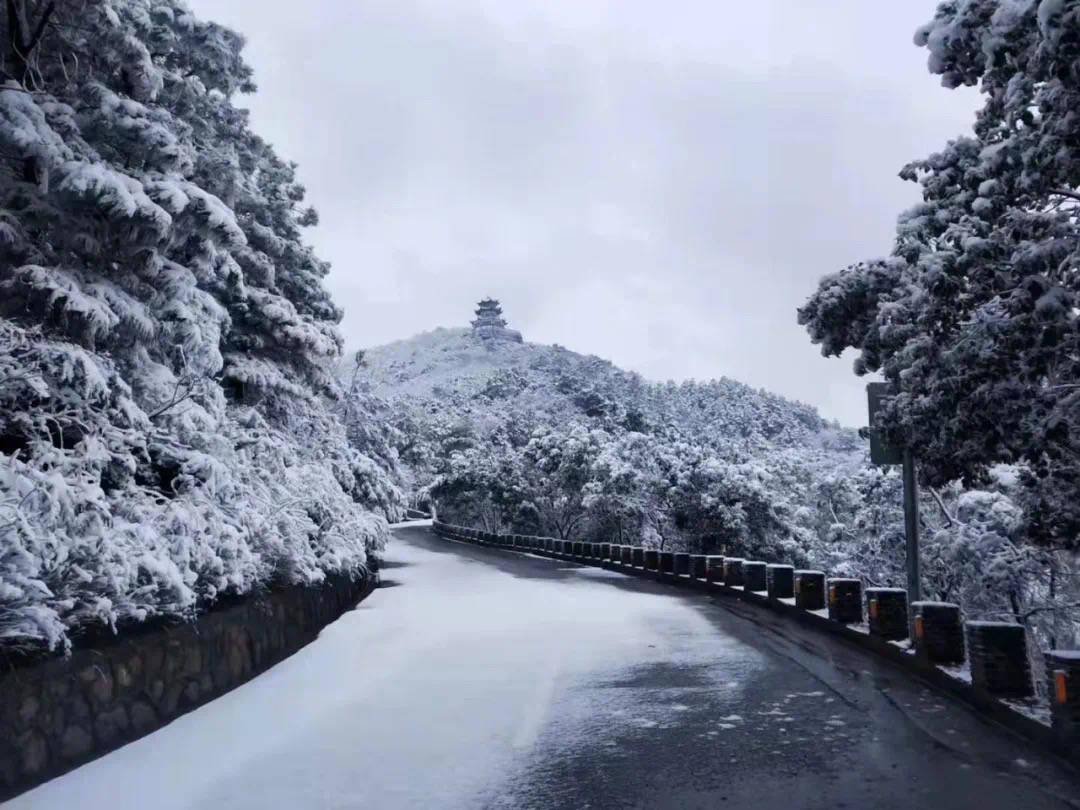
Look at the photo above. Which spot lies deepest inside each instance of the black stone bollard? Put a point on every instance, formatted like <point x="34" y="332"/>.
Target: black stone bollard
<point x="605" y="551"/>
<point x="887" y="613"/>
<point x="714" y="568"/>
<point x="810" y="590"/>
<point x="753" y="573"/>
<point x="639" y="557"/>
<point x="549" y="545"/>
<point x="594" y="551"/>
<point x="1063" y="676"/>
<point x="698" y="566"/>
<point x="577" y="548"/>
<point x="780" y="581"/>
<point x="999" y="658"/>
<point x="733" y="577"/>
<point x="667" y="562"/>
<point x="682" y="565"/>
<point x="939" y="632"/>
<point x="616" y="555"/>
<point x="627" y="556"/>
<point x="845" y="600"/>
<point x="652" y="559"/>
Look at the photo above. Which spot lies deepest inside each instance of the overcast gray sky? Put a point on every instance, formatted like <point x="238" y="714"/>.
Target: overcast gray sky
<point x="658" y="182"/>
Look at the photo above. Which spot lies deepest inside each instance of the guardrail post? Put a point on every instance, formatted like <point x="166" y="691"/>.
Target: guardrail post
<point x="667" y="562"/>
<point x="616" y="555"/>
<point x="810" y="590"/>
<point x="628" y="556"/>
<point x="733" y="571"/>
<point x="887" y="613"/>
<point x="780" y="581"/>
<point x="682" y="564"/>
<point x="845" y="600"/>
<point x="638" y="558"/>
<point x="714" y="568"/>
<point x="754" y="575"/>
<point x="698" y="566"/>
<point x="1063" y="674"/>
<point x="999" y="658"/>
<point x="939" y="632"/>
<point x="652" y="559"/>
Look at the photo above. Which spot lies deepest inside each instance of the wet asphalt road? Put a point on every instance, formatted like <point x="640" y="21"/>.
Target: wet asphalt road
<point x="478" y="678"/>
<point x="808" y="722"/>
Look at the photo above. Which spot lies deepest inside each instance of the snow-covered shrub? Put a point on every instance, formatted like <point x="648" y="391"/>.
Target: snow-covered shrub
<point x="167" y="432"/>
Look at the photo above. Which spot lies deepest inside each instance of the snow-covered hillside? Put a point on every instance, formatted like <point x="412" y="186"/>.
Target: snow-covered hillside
<point x="542" y="440"/>
<point x="552" y="384"/>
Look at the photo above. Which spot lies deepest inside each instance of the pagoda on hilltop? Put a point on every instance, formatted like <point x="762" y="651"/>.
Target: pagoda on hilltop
<point x="491" y="325"/>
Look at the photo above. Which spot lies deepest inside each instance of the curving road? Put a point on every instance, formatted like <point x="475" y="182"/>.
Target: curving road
<point x="480" y="679"/>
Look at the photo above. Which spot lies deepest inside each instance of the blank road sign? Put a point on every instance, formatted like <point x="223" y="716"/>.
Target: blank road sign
<point x="880" y="451"/>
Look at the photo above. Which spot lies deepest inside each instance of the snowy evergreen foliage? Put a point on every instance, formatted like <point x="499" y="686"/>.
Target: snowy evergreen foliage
<point x="539" y="440"/>
<point x="165" y="426"/>
<point x="974" y="315"/>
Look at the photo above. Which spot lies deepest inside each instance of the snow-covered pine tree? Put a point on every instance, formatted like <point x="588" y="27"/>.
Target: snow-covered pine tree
<point x="165" y="337"/>
<point x="974" y="315"/>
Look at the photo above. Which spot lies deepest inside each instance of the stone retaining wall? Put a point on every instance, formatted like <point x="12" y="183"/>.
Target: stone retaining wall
<point x="58" y="713"/>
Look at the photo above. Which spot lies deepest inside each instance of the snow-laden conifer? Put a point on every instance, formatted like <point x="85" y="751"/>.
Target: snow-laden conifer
<point x="974" y="314"/>
<point x="165" y="436"/>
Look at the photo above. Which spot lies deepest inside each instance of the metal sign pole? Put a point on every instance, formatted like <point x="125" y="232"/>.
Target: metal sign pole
<point x="911" y="527"/>
<point x="885" y="454"/>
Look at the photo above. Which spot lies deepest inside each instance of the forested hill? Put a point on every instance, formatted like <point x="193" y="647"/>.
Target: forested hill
<point x="536" y="439"/>
<point x="542" y="439"/>
<point x="450" y="374"/>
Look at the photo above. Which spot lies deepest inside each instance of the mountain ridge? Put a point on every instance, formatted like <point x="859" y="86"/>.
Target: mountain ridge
<point x="448" y="362"/>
